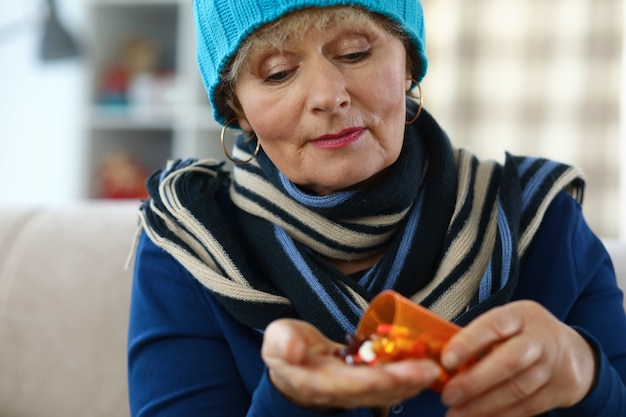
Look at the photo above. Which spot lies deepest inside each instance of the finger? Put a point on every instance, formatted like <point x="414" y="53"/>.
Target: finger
<point x="390" y="383"/>
<point x="534" y="405"/>
<point x="282" y="341"/>
<point x="484" y="332"/>
<point x="508" y="394"/>
<point x="345" y="386"/>
<point x="423" y="371"/>
<point x="323" y="382"/>
<point x="507" y="362"/>
<point x="293" y="341"/>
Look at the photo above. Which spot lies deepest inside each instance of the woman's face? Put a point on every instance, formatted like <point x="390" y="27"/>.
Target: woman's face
<point x="328" y="109"/>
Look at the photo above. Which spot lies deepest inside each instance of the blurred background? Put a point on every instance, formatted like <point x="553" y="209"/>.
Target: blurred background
<point x="94" y="94"/>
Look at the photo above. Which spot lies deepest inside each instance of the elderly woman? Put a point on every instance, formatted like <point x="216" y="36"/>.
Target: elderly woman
<point x="247" y="282"/>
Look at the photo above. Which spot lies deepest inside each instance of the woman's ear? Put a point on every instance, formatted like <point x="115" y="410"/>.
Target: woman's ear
<point x="243" y="123"/>
<point x="239" y="113"/>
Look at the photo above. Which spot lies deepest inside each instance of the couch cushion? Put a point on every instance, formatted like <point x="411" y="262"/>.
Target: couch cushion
<point x="64" y="303"/>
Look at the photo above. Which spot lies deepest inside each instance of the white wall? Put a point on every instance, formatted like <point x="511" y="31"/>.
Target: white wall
<point x="40" y="108"/>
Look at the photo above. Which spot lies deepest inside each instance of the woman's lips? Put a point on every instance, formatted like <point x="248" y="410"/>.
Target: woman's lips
<point x="339" y="140"/>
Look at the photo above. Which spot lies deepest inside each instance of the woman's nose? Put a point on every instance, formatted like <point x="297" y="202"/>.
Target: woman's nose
<point x="326" y="86"/>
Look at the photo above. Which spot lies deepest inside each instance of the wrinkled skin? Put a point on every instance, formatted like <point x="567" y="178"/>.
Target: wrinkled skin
<point x="534" y="363"/>
<point x="530" y="363"/>
<point x="328" y="110"/>
<point x="302" y="365"/>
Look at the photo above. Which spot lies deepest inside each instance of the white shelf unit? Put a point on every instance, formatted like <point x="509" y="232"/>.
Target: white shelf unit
<point x="153" y="124"/>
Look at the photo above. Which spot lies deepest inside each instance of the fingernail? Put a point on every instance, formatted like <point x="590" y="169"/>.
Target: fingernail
<point x="450" y="360"/>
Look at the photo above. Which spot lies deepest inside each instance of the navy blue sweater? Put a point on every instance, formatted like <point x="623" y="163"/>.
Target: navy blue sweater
<point x="188" y="357"/>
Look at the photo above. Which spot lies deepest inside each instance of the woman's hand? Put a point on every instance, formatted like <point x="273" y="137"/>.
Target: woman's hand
<point x="303" y="367"/>
<point x="532" y="363"/>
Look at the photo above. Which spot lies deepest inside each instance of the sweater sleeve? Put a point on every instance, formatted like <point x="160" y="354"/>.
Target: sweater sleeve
<point x="574" y="277"/>
<point x="178" y="363"/>
<point x="599" y="316"/>
<point x="608" y="396"/>
<point x="188" y="357"/>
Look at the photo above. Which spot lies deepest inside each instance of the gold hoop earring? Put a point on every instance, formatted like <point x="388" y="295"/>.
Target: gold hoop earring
<point x="237" y="161"/>
<point x="420" y="99"/>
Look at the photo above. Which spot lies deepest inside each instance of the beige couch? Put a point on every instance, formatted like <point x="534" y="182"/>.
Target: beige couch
<point x="64" y="299"/>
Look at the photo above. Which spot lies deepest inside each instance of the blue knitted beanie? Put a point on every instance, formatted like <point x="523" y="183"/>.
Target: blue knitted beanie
<point x="222" y="25"/>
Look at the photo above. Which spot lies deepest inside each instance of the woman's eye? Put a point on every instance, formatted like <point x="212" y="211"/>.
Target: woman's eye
<point x="277" y="77"/>
<point x="356" y="56"/>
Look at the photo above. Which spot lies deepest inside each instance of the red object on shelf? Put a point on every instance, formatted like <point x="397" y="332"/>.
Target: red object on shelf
<point x="122" y="177"/>
<point x="114" y="86"/>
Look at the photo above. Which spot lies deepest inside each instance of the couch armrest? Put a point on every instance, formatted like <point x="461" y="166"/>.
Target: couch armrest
<point x="64" y="303"/>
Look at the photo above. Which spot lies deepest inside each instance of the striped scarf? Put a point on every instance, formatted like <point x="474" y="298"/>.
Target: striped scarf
<point x="453" y="230"/>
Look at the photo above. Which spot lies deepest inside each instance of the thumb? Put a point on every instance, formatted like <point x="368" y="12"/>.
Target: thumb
<point x="288" y="340"/>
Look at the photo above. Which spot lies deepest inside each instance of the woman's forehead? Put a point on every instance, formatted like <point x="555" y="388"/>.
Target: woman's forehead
<point x="298" y="24"/>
